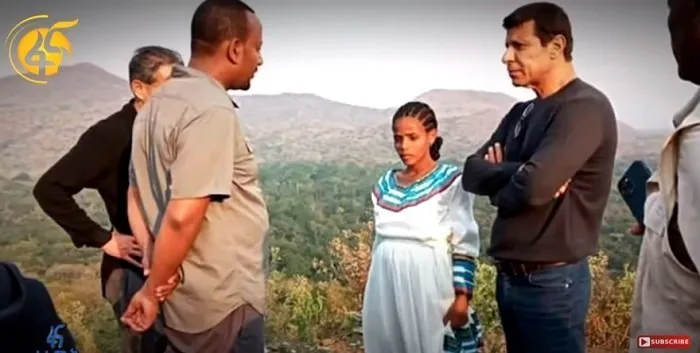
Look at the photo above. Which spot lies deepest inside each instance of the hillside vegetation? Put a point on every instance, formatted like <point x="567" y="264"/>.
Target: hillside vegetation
<point x="38" y="123"/>
<point x="321" y="236"/>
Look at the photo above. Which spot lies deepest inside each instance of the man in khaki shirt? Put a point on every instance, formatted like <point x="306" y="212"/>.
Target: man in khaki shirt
<point x="196" y="182"/>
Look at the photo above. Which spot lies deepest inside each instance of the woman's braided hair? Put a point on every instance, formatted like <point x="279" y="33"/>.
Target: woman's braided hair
<point x="425" y="114"/>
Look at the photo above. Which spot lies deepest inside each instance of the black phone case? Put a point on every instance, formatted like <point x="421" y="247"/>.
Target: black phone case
<point x="632" y="188"/>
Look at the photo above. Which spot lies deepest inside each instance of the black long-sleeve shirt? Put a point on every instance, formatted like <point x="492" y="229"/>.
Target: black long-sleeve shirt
<point x="99" y="161"/>
<point x="571" y="134"/>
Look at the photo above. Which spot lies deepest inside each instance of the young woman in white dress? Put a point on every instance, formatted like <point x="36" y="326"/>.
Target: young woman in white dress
<point x="421" y="276"/>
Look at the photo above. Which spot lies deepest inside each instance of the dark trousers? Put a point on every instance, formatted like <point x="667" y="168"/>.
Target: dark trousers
<point x="545" y="311"/>
<point x="120" y="287"/>
<point x="242" y="331"/>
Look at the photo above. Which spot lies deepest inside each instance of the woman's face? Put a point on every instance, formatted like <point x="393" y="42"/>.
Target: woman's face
<point x="411" y="140"/>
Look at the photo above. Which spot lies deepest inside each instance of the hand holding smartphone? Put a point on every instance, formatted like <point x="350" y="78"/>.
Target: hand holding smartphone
<point x="632" y="188"/>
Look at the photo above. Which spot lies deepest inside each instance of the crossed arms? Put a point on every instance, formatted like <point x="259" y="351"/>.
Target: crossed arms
<point x="483" y="177"/>
<point x="575" y="133"/>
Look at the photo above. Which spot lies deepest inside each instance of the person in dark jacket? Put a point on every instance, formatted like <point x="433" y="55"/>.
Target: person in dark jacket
<point x="29" y="322"/>
<point x="100" y="161"/>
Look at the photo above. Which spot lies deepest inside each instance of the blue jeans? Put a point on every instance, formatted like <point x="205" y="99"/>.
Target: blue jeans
<point x="545" y="311"/>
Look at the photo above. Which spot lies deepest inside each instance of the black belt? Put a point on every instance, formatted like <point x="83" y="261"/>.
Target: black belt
<point x="521" y="268"/>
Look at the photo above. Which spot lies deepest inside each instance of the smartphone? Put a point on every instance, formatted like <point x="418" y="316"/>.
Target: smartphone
<point x="632" y="188"/>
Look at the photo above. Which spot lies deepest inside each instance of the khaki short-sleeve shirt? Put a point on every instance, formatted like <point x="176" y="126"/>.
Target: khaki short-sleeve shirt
<point x="188" y="143"/>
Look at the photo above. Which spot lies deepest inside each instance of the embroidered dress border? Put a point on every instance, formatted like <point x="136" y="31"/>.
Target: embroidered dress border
<point x="393" y="197"/>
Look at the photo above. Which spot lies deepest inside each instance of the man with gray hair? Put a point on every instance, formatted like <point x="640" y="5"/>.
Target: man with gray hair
<point x="100" y="161"/>
<point x="666" y="300"/>
<point x="548" y="169"/>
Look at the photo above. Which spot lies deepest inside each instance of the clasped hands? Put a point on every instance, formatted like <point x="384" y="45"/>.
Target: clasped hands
<point x="127" y="248"/>
<point x="494" y="154"/>
<point x="144" y="306"/>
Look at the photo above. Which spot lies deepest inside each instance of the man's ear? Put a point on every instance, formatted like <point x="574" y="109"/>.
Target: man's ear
<point x="556" y="46"/>
<point x="138" y="89"/>
<point x="234" y="50"/>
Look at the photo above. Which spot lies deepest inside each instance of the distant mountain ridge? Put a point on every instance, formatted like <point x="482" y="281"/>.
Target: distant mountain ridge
<point x="40" y="122"/>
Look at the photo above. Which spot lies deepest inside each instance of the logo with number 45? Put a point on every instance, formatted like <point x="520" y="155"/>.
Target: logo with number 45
<point x="37" y="52"/>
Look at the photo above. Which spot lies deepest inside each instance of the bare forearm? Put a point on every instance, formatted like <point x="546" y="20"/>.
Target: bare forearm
<point x="171" y="247"/>
<point x="181" y="225"/>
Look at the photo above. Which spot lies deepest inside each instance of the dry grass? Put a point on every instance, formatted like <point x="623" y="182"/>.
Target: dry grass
<point x="326" y="313"/>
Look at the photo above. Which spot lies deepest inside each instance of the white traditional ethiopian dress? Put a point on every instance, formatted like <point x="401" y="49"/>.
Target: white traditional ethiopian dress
<point x="426" y="240"/>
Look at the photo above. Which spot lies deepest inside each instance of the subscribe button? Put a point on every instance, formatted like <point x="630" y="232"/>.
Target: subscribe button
<point x="677" y="342"/>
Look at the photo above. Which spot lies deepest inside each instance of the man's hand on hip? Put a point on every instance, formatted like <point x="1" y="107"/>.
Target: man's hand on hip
<point x="123" y="247"/>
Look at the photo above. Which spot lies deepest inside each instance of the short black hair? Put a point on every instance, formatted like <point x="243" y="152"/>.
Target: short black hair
<point x="147" y="60"/>
<point x="426" y="115"/>
<point x="550" y="21"/>
<point x="695" y="3"/>
<point x="217" y="20"/>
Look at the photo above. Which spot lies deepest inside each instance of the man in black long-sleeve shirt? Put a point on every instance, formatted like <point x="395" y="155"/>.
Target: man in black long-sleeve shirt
<point x="100" y="161"/>
<point x="548" y="170"/>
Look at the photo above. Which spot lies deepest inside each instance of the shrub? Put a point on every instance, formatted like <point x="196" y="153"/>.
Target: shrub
<point x="326" y="313"/>
<point x="608" y="319"/>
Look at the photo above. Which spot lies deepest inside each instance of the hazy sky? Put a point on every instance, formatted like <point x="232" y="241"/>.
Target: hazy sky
<point x="382" y="53"/>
